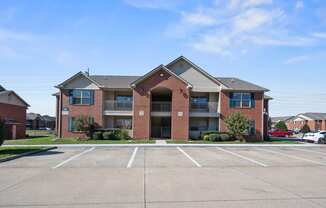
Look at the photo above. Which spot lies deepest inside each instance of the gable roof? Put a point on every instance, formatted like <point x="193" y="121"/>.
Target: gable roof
<point x="140" y="79"/>
<point x="2" y="88"/>
<point x="281" y="118"/>
<point x="313" y="116"/>
<point x="75" y="76"/>
<point x="237" y="84"/>
<point x="114" y="81"/>
<point x="10" y="92"/>
<point x="199" y="69"/>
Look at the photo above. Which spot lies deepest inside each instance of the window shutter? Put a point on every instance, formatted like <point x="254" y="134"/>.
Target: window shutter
<point x="92" y="97"/>
<point x="70" y="97"/>
<point x="253" y="104"/>
<point x="231" y="100"/>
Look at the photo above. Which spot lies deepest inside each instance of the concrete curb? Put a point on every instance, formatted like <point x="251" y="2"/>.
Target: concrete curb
<point x="170" y="145"/>
<point x="24" y="154"/>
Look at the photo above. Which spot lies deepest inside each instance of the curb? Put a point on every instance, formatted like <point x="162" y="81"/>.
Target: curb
<point x="24" y="154"/>
<point x="170" y="145"/>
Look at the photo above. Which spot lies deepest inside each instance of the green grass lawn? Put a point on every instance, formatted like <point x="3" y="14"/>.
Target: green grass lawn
<point x="53" y="140"/>
<point x="230" y="142"/>
<point x="13" y="151"/>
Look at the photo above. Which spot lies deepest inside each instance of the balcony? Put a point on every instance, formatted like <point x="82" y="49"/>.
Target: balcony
<point x="161" y="108"/>
<point x="119" y="108"/>
<point x="204" y="109"/>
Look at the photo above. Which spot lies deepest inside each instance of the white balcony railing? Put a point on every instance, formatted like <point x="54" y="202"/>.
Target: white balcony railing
<point x="113" y="105"/>
<point x="208" y="107"/>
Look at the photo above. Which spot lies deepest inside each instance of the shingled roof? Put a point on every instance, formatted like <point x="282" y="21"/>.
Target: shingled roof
<point x="237" y="84"/>
<point x="314" y="116"/>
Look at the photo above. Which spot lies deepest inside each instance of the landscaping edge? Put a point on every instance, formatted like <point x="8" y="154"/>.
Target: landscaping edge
<point x="26" y="153"/>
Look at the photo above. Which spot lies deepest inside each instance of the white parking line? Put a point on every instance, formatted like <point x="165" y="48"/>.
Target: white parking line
<point x="312" y="151"/>
<point x="73" y="157"/>
<point x="293" y="157"/>
<point x="188" y="156"/>
<point x="242" y="157"/>
<point x="132" y="158"/>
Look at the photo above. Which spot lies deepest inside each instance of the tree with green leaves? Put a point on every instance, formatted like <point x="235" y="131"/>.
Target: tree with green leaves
<point x="2" y="131"/>
<point x="84" y="124"/>
<point x="281" y="126"/>
<point x="237" y="125"/>
<point x="305" y="129"/>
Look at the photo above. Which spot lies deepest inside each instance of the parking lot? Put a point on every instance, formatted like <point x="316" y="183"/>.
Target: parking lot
<point x="167" y="177"/>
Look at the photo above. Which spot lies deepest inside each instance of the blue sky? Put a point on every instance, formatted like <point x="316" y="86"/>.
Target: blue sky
<point x="278" y="44"/>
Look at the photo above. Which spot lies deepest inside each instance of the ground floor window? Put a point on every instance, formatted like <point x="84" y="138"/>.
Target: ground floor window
<point x="74" y="122"/>
<point x="123" y="123"/>
<point x="252" y="128"/>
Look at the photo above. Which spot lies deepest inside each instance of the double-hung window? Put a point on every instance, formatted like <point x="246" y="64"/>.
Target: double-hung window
<point x="242" y="100"/>
<point x="81" y="97"/>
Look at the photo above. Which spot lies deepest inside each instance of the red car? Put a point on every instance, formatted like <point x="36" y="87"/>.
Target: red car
<point x="280" y="133"/>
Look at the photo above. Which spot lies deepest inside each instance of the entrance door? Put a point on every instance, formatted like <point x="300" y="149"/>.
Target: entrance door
<point x="161" y="127"/>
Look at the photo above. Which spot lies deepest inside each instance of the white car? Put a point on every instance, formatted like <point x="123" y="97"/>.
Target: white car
<point x="318" y="137"/>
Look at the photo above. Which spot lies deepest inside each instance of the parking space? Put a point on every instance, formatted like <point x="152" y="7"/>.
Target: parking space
<point x="167" y="177"/>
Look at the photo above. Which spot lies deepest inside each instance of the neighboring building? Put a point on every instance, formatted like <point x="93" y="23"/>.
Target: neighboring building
<point x="275" y="120"/>
<point x="178" y="100"/>
<point x="315" y="121"/>
<point x="36" y="121"/>
<point x="13" y="112"/>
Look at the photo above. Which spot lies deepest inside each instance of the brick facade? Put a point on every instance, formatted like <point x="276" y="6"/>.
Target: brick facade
<point x="313" y="124"/>
<point x="18" y="115"/>
<point x="95" y="111"/>
<point x="255" y="113"/>
<point x="142" y="104"/>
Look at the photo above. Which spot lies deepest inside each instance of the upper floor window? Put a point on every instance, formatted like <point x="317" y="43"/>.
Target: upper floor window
<point x="242" y="100"/>
<point x="81" y="97"/>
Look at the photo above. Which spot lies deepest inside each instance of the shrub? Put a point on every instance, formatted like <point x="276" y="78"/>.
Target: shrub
<point x="281" y="126"/>
<point x="206" y="138"/>
<point x="305" y="129"/>
<point x="121" y="134"/>
<point x="108" y="135"/>
<point x="204" y="133"/>
<point x="237" y="124"/>
<point x="214" y="137"/>
<point x="97" y="135"/>
<point x="225" y="137"/>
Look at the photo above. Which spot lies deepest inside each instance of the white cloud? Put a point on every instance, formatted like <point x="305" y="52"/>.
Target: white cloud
<point x="298" y="59"/>
<point x="319" y="35"/>
<point x="234" y="4"/>
<point x="285" y="41"/>
<point x="254" y="18"/>
<point x="213" y="43"/>
<point x="199" y="18"/>
<point x="299" y="5"/>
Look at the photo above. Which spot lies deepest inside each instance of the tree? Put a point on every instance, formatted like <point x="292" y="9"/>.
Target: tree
<point x="238" y="125"/>
<point x="2" y="131"/>
<point x="84" y="124"/>
<point x="281" y="126"/>
<point x="305" y="129"/>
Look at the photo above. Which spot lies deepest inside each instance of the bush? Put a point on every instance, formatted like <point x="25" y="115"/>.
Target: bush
<point x="204" y="133"/>
<point x="206" y="138"/>
<point x="305" y="129"/>
<point x="108" y="135"/>
<point x="97" y="135"/>
<point x="281" y="126"/>
<point x="225" y="137"/>
<point x="214" y="137"/>
<point x="121" y="134"/>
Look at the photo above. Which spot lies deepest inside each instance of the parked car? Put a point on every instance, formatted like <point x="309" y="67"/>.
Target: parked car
<point x="319" y="137"/>
<point x="280" y="133"/>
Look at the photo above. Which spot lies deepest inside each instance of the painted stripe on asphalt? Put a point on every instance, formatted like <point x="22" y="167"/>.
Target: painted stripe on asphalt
<point x="132" y="158"/>
<point x="293" y="157"/>
<point x="188" y="156"/>
<point x="312" y="151"/>
<point x="242" y="157"/>
<point x="73" y="157"/>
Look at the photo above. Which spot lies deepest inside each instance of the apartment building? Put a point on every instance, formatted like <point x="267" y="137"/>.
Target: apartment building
<point x="176" y="101"/>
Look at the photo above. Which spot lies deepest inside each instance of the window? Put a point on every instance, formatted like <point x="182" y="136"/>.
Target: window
<point x="242" y="100"/>
<point x="123" y="123"/>
<point x="81" y="97"/>
<point x="198" y="124"/>
<point x="123" y="102"/>
<point x="71" y="123"/>
<point x="199" y="103"/>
